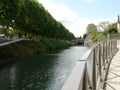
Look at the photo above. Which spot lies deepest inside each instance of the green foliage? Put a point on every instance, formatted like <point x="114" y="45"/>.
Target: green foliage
<point x="31" y="18"/>
<point x="104" y="29"/>
<point x="94" y="37"/>
<point x="98" y="37"/>
<point x="91" y="29"/>
<point x="54" y="44"/>
<point x="84" y="36"/>
<point x="24" y="48"/>
<point x="101" y="37"/>
<point x="13" y="32"/>
<point x="8" y="11"/>
<point x="112" y="28"/>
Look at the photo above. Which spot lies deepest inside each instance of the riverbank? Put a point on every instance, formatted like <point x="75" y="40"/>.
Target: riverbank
<point x="30" y="47"/>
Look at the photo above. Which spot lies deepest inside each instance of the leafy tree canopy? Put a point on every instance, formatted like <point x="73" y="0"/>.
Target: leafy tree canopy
<point x="91" y="28"/>
<point x="31" y="18"/>
<point x="112" y="28"/>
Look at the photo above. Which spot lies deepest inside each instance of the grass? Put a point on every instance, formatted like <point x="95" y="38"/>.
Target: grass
<point x="23" y="48"/>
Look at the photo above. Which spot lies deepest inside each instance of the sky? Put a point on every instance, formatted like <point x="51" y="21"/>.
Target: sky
<point x="75" y="15"/>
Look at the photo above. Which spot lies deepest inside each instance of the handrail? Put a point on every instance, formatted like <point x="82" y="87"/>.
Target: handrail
<point x="90" y="71"/>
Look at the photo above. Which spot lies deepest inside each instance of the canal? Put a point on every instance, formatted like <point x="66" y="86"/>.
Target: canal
<point x="47" y="71"/>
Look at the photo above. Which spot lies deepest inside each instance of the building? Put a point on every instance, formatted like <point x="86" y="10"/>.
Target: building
<point x="118" y="24"/>
<point x="116" y="35"/>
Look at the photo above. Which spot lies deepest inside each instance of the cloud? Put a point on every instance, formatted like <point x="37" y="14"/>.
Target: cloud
<point x="67" y="17"/>
<point x="70" y="19"/>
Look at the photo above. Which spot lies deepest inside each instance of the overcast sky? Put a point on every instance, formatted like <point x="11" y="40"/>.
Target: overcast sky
<point x="75" y="15"/>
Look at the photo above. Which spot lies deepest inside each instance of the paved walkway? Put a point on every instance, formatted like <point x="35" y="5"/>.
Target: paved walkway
<point x="113" y="81"/>
<point x="9" y="42"/>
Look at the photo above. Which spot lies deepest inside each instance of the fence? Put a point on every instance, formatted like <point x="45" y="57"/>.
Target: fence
<point x="90" y="71"/>
<point x="114" y="36"/>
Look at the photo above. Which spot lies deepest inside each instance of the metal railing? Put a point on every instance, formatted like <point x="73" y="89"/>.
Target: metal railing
<point x="90" y="71"/>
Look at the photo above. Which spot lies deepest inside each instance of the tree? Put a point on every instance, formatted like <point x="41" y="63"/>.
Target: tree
<point x="112" y="28"/>
<point x="8" y="13"/>
<point x="91" y="28"/>
<point x="84" y="36"/>
<point x="31" y="19"/>
<point x="102" y="26"/>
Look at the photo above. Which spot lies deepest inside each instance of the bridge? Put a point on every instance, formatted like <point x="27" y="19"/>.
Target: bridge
<point x="78" y="42"/>
<point x="98" y="69"/>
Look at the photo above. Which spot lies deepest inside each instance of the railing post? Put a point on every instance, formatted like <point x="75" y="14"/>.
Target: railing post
<point x="94" y="70"/>
<point x="104" y="54"/>
<point x="111" y="49"/>
<point x="88" y="73"/>
<point x="112" y="45"/>
<point x="106" y="51"/>
<point x="85" y="79"/>
<point x="99" y="59"/>
<point x="116" y="45"/>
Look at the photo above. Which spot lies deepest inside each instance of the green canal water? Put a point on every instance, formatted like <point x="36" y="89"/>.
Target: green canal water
<point x="47" y="71"/>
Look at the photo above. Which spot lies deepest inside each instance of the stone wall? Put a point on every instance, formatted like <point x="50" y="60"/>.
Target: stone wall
<point x="114" y="36"/>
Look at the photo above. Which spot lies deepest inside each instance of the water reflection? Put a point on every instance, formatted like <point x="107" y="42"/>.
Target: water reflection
<point x="40" y="72"/>
<point x="12" y="75"/>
